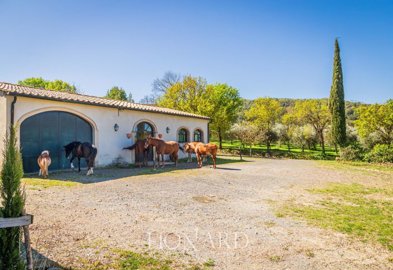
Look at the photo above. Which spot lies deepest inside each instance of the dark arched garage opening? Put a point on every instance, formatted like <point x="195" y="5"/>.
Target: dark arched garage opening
<point x="51" y="131"/>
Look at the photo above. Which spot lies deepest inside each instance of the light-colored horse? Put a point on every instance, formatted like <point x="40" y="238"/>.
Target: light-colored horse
<point x="44" y="162"/>
<point x="189" y="148"/>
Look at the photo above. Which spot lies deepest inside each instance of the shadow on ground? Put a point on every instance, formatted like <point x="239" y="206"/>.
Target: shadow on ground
<point x="114" y="173"/>
<point x="41" y="262"/>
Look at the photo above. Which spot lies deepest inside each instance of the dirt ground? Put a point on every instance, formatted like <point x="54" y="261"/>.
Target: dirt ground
<point x="227" y="215"/>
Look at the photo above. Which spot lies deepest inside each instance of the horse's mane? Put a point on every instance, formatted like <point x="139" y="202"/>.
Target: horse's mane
<point x="72" y="145"/>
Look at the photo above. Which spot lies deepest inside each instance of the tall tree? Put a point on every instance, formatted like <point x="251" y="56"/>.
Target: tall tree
<point x="56" y="85"/>
<point x="13" y="201"/>
<point x="337" y="102"/>
<point x="264" y="113"/>
<point x="225" y="102"/>
<point x="117" y="93"/>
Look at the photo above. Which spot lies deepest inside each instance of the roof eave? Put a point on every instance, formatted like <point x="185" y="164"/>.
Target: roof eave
<point x="10" y="93"/>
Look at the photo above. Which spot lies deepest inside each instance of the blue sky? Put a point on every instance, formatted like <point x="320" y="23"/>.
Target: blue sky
<point x="264" y="48"/>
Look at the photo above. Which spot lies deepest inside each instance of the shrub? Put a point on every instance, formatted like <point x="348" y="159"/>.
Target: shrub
<point x="352" y="153"/>
<point x="12" y="197"/>
<point x="381" y="153"/>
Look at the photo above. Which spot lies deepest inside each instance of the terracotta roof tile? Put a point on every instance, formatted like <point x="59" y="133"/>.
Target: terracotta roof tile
<point x="19" y="90"/>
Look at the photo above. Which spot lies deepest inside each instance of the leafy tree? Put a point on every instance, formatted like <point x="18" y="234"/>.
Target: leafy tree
<point x="34" y="82"/>
<point x="376" y="119"/>
<point x="285" y="130"/>
<point x="220" y="102"/>
<point x="225" y="103"/>
<point x="246" y="133"/>
<point x="303" y="136"/>
<point x="189" y="95"/>
<point x="117" y="93"/>
<point x="337" y="102"/>
<point x="283" y="133"/>
<point x="264" y="113"/>
<point x="13" y="201"/>
<point x="315" y="113"/>
<point x="56" y="85"/>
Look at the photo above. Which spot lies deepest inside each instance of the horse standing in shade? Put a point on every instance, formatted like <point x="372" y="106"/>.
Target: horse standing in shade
<point x="205" y="150"/>
<point x="44" y="162"/>
<point x="81" y="150"/>
<point x="139" y="147"/>
<point x="164" y="148"/>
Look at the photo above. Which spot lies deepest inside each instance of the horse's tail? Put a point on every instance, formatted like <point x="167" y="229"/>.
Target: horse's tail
<point x="132" y="147"/>
<point x="181" y="148"/>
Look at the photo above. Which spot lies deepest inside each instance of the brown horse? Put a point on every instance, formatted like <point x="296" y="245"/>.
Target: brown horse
<point x="44" y="162"/>
<point x="81" y="150"/>
<point x="139" y="147"/>
<point x="204" y="150"/>
<point x="190" y="149"/>
<point x="163" y="148"/>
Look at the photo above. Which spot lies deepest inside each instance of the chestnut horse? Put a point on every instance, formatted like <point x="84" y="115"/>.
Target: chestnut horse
<point x="163" y="148"/>
<point x="190" y="149"/>
<point x="44" y="162"/>
<point x="204" y="150"/>
<point x="139" y="147"/>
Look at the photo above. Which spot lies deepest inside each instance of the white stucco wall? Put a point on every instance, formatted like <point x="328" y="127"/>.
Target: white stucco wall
<point x="102" y="119"/>
<point x="4" y="120"/>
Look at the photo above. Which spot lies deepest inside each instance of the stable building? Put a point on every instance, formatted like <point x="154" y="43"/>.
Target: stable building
<point x="48" y="120"/>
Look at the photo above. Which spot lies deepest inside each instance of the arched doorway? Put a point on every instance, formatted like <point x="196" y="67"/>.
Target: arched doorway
<point x="143" y="130"/>
<point x="51" y="131"/>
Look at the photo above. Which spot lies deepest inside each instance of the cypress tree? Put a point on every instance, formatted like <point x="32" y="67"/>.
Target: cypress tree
<point x="13" y="200"/>
<point x="337" y="101"/>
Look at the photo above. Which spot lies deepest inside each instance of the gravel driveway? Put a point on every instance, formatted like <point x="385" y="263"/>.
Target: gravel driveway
<point x="226" y="215"/>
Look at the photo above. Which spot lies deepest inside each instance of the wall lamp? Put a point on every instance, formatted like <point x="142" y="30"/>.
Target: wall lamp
<point x="168" y="129"/>
<point x="116" y="127"/>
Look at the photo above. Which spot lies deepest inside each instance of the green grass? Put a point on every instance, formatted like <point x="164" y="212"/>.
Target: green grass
<point x="354" y="209"/>
<point x="278" y="150"/>
<point x="38" y="183"/>
<point x="134" y="261"/>
<point x="129" y="260"/>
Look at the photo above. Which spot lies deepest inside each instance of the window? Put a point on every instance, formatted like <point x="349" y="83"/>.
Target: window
<point x="143" y="130"/>
<point x="183" y="135"/>
<point x="198" y="135"/>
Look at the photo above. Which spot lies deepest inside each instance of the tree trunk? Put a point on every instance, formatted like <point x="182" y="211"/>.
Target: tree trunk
<point x="289" y="147"/>
<point x="322" y="142"/>
<point x="220" y="137"/>
<point x="250" y="150"/>
<point x="335" y="148"/>
<point x="268" y="147"/>
<point x="302" y="148"/>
